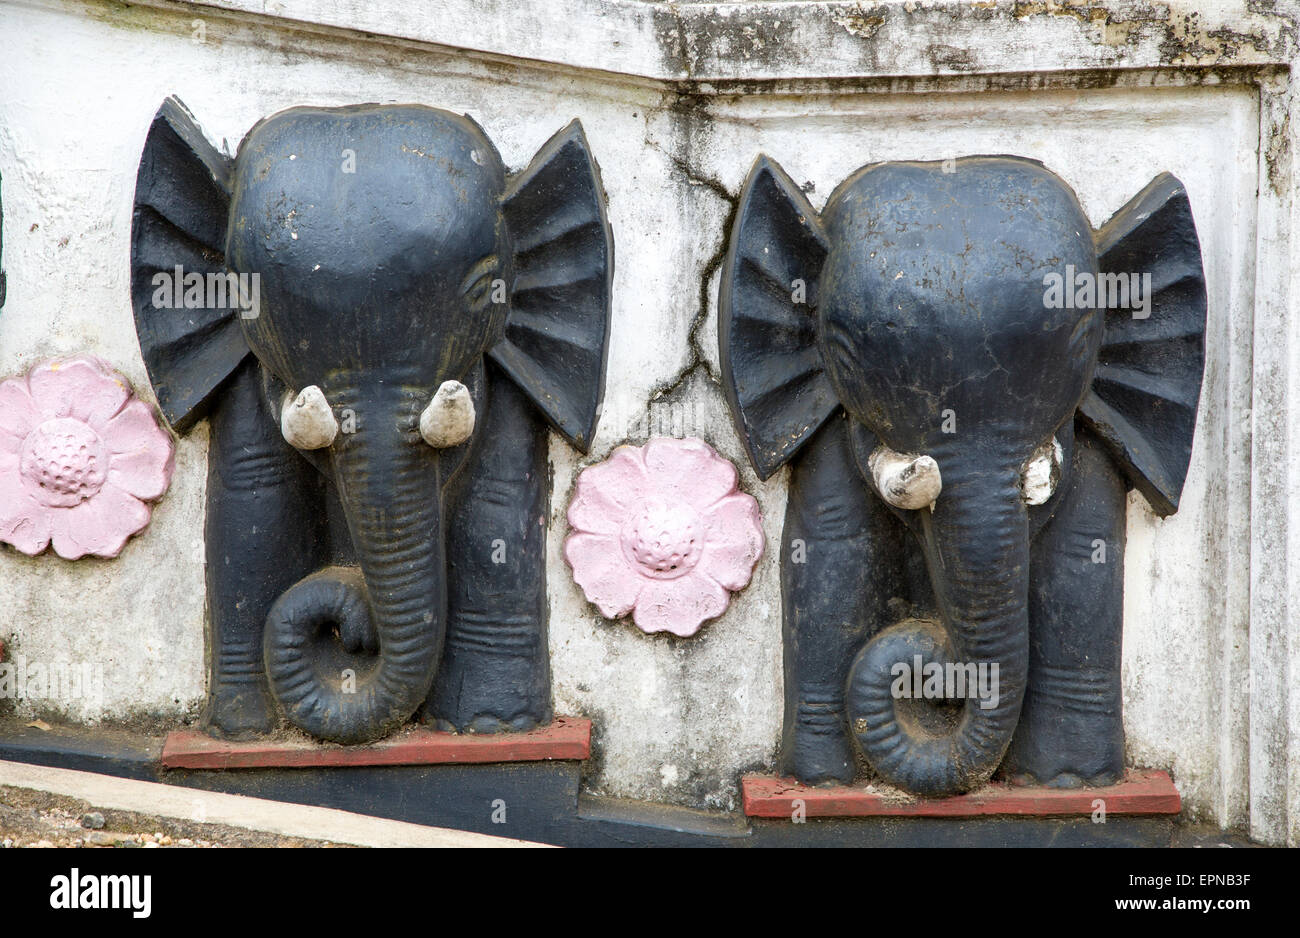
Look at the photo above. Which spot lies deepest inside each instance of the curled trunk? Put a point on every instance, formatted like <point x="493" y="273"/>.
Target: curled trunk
<point x="977" y="550"/>
<point x="389" y="487"/>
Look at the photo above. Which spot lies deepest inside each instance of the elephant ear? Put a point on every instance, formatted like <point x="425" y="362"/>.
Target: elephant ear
<point x="1147" y="385"/>
<point x="556" y="336"/>
<point x="182" y="199"/>
<point x="772" y="370"/>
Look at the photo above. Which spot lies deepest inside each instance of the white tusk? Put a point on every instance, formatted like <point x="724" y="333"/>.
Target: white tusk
<point x="1042" y="473"/>
<point x="307" y="421"/>
<point x="449" y="418"/>
<point x="905" y="481"/>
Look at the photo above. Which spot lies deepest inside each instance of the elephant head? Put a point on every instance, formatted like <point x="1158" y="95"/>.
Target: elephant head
<point x="390" y="253"/>
<point x="920" y="302"/>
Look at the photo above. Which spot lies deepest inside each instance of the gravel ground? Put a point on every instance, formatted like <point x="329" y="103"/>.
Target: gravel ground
<point x="38" y="819"/>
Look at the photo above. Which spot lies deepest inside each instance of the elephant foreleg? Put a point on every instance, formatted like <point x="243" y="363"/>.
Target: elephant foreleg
<point x="263" y="532"/>
<point x="839" y="567"/>
<point x="1071" y="729"/>
<point x="495" y="672"/>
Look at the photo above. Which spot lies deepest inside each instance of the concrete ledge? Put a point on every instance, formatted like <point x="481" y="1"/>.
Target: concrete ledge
<point x="742" y="40"/>
<point x="293" y="820"/>
<point x="1142" y="792"/>
<point x="542" y="802"/>
<point x="565" y="738"/>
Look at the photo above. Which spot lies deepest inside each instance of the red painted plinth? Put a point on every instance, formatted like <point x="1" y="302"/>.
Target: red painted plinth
<point x="1141" y="792"/>
<point x="566" y="738"/>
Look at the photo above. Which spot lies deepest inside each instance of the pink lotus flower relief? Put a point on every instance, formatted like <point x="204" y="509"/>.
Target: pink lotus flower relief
<point x="661" y="531"/>
<point x="80" y="457"/>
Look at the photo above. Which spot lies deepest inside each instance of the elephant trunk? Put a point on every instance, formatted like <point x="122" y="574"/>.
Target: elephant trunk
<point x="390" y="489"/>
<point x="977" y="549"/>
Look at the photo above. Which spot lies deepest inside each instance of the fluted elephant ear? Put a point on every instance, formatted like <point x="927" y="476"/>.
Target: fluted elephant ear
<point x="182" y="198"/>
<point x="556" y="335"/>
<point x="1147" y="385"/>
<point x="772" y="370"/>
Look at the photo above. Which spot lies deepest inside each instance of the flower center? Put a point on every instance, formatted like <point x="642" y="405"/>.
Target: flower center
<point x="64" y="462"/>
<point x="663" y="537"/>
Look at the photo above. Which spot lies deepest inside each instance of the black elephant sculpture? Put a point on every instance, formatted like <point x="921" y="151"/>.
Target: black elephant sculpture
<point x="966" y="379"/>
<point x="380" y="324"/>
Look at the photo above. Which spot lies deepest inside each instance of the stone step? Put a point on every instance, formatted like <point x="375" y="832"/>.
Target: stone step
<point x="533" y="791"/>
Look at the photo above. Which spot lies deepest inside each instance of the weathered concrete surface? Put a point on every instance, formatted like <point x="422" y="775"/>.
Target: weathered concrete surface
<point x="719" y="41"/>
<point x="677" y="100"/>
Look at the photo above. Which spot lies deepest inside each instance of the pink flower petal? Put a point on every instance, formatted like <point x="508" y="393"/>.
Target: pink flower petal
<point x="734" y="541"/>
<point x="134" y="429"/>
<point x="145" y="472"/>
<point x="606" y="491"/>
<point x="18" y="414"/>
<point x="84" y="388"/>
<point x="606" y="578"/>
<point x="99" y="525"/>
<point x="24" y="522"/>
<point x="689" y="517"/>
<point x="689" y="469"/>
<point x="679" y="606"/>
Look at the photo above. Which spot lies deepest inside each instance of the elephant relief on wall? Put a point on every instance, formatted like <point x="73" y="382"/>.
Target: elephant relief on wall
<point x="380" y="324"/>
<point x="966" y="379"/>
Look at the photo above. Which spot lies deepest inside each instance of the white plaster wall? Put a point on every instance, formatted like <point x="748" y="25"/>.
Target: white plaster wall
<point x="676" y="720"/>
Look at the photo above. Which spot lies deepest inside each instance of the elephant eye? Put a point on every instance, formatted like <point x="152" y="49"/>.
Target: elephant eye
<point x="480" y="287"/>
<point x="840" y="348"/>
<point x="1041" y="473"/>
<point x="1080" y="336"/>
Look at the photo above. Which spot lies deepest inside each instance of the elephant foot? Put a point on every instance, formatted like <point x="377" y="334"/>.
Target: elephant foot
<point x="1067" y="780"/>
<point x="822" y="753"/>
<point x="489" y="693"/>
<point x="823" y="760"/>
<point x="486" y="723"/>
<point x="1064" y="773"/>
<point x="1071" y="732"/>
<point x="240" y="711"/>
